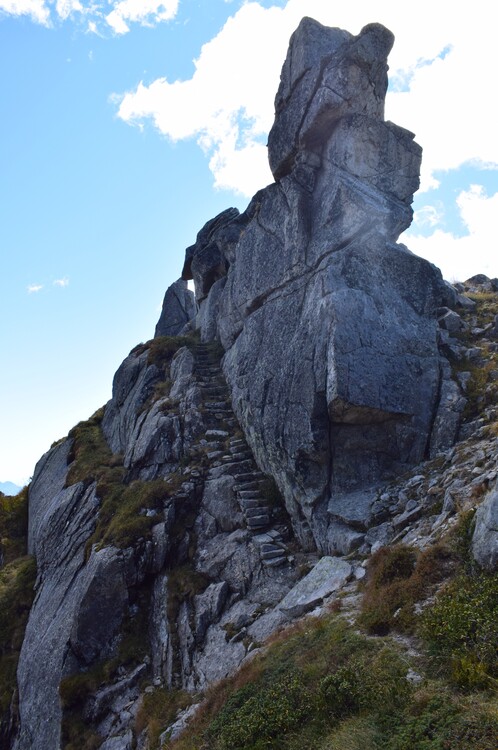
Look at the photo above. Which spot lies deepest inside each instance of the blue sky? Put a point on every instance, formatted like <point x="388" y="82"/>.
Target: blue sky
<point x="126" y="124"/>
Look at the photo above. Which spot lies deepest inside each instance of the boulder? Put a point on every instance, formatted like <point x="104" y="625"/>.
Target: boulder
<point x="328" y="575"/>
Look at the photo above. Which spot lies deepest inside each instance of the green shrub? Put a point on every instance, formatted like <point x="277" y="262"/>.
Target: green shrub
<point x="309" y="680"/>
<point x="461" y="628"/>
<point x="438" y="720"/>
<point x="17" y="580"/>
<point x="375" y="682"/>
<point x="253" y="716"/>
<point x="13" y="525"/>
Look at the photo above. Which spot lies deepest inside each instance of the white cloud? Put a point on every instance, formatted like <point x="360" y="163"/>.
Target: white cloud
<point x="36" y="9"/>
<point x="123" y="12"/>
<point x="33" y="288"/>
<point x="428" y="216"/>
<point x="61" y="282"/>
<point x="441" y="51"/>
<point x="227" y="104"/>
<point x="65" y="8"/>
<point x="461" y="257"/>
<point x="145" y="12"/>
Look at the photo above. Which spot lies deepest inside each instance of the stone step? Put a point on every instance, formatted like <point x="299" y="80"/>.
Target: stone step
<point x="218" y="392"/>
<point x="212" y="455"/>
<point x="240" y="449"/>
<point x="246" y="455"/>
<point x="218" y="416"/>
<point x="258" y="522"/>
<point x="246" y="494"/>
<point x="271" y="547"/>
<point x="259" y="510"/>
<point x="244" y="486"/>
<point x="250" y="476"/>
<point x="217" y="433"/>
<point x="229" y="468"/>
<point x="276" y="562"/>
<point x="235" y="463"/>
<point x="217" y="405"/>
<point x="270" y="536"/>
<point x="246" y="504"/>
<point x="272" y="555"/>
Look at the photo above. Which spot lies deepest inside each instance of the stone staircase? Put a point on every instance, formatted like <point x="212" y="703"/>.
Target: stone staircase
<point x="226" y="447"/>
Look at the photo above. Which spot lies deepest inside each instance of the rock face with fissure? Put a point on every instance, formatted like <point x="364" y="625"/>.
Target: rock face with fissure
<point x="329" y="325"/>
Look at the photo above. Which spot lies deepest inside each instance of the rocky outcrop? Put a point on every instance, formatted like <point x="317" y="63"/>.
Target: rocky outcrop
<point x="485" y="538"/>
<point x="79" y="605"/>
<point x="205" y="560"/>
<point x="178" y="309"/>
<point x="328" y="326"/>
<point x="319" y="367"/>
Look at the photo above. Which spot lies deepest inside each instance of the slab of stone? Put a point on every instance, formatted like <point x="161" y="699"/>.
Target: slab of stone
<point x="342" y="539"/>
<point x="328" y="575"/>
<point x="485" y="538"/>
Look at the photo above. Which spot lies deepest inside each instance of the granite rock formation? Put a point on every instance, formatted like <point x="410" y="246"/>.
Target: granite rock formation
<point x="265" y="425"/>
<point x="328" y="325"/>
<point x="178" y="308"/>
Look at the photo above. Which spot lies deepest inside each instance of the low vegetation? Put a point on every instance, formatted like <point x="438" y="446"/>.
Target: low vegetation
<point x="17" y="580"/>
<point x="461" y="629"/>
<point x="161" y="349"/>
<point x="13" y="526"/>
<point x="322" y="686"/>
<point x="128" y="510"/>
<point x="398" y="578"/>
<point x="158" y="711"/>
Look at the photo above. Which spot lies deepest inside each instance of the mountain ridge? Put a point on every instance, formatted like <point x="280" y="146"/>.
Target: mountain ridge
<point x="321" y="414"/>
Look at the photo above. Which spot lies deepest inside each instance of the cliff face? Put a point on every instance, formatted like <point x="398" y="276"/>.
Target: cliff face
<point x="170" y="530"/>
<point x="329" y="327"/>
